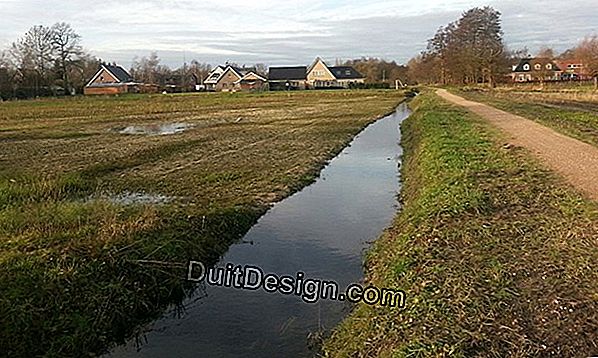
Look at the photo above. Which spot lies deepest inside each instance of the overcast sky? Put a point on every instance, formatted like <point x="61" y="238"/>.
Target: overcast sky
<point x="286" y="32"/>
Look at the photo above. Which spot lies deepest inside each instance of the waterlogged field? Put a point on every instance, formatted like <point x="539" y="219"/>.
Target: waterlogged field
<point x="103" y="200"/>
<point x="572" y="110"/>
<point x="497" y="256"/>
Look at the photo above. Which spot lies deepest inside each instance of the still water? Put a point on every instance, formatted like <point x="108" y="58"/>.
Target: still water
<point x="322" y="231"/>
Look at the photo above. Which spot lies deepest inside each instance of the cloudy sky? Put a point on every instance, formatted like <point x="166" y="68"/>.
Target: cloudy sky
<point x="285" y="32"/>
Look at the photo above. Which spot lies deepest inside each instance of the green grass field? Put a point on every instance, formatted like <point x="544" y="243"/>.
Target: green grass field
<point x="497" y="256"/>
<point x="79" y="271"/>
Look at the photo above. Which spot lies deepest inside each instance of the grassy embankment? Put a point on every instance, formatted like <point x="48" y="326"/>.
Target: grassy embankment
<point x="573" y="112"/>
<point x="496" y="255"/>
<point x="79" y="271"/>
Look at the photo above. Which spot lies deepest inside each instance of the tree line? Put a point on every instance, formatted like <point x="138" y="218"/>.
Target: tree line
<point x="46" y="60"/>
<point x="50" y="61"/>
<point x="378" y="72"/>
<point x="472" y="50"/>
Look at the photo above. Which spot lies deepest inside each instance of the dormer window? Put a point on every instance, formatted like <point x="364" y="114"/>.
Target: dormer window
<point x="548" y="66"/>
<point x="538" y="67"/>
<point x="526" y="67"/>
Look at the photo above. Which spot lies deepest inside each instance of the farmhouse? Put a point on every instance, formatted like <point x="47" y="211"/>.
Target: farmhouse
<point x="287" y="78"/>
<point x="230" y="79"/>
<point x="573" y="70"/>
<point x="536" y="69"/>
<point x="111" y="79"/>
<point x="320" y="75"/>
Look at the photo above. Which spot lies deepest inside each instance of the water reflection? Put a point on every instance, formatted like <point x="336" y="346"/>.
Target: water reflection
<point x="322" y="231"/>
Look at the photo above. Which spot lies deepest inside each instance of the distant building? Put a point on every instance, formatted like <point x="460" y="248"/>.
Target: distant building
<point x="252" y="81"/>
<point x="111" y="79"/>
<point x="536" y="69"/>
<point x="573" y="70"/>
<point x="287" y="78"/>
<point x="231" y="79"/>
<point x="320" y="75"/>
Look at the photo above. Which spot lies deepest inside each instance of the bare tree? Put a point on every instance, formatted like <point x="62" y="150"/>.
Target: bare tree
<point x="261" y="69"/>
<point x="66" y="44"/>
<point x="34" y="52"/>
<point x="546" y="52"/>
<point x="5" y="76"/>
<point x="378" y="71"/>
<point x="148" y="69"/>
<point x="199" y="71"/>
<point x="587" y="51"/>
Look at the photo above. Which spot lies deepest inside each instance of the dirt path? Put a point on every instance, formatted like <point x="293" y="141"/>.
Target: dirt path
<point x="573" y="159"/>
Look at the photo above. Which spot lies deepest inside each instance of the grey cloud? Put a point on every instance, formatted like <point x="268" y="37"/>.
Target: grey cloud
<point x="530" y="23"/>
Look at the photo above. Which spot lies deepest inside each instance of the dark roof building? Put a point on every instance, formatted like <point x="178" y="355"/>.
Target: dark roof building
<point x="295" y="73"/>
<point x="536" y="64"/>
<point x="121" y="74"/>
<point x="345" y="72"/>
<point x="287" y="78"/>
<point x="536" y="69"/>
<point x="111" y="79"/>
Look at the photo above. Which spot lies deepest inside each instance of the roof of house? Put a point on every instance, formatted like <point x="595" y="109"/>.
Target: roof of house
<point x="243" y="70"/>
<point x="318" y="59"/>
<point x="287" y="73"/>
<point x="119" y="73"/>
<point x="216" y="74"/>
<point x="345" y="72"/>
<point x="532" y="62"/>
<point x="248" y="75"/>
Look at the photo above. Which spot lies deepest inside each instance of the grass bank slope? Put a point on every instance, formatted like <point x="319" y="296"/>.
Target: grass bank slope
<point x="79" y="268"/>
<point x="497" y="257"/>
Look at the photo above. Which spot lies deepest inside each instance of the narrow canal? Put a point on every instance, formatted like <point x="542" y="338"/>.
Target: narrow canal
<point x="322" y="231"/>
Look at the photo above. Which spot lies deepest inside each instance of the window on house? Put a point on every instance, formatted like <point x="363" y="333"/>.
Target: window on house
<point x="526" y="67"/>
<point x="538" y="66"/>
<point x="548" y="66"/>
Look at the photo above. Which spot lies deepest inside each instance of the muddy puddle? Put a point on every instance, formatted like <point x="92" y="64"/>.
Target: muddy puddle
<point x="134" y="198"/>
<point x="157" y="129"/>
<point x="322" y="231"/>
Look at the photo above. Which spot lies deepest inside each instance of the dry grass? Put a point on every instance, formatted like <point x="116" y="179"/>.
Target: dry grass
<point x="70" y="278"/>
<point x="496" y="255"/>
<point x="572" y="113"/>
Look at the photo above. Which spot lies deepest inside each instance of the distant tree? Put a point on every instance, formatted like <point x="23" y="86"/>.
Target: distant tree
<point x="423" y="69"/>
<point x="587" y="52"/>
<point x="83" y="70"/>
<point x="545" y="52"/>
<point x="34" y="55"/>
<point x="568" y="54"/>
<point x="6" y="72"/>
<point x="470" y="50"/>
<point x="379" y="71"/>
<point x="66" y="44"/>
<point x="199" y="71"/>
<point x="519" y="54"/>
<point x="149" y="70"/>
<point x="261" y="68"/>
